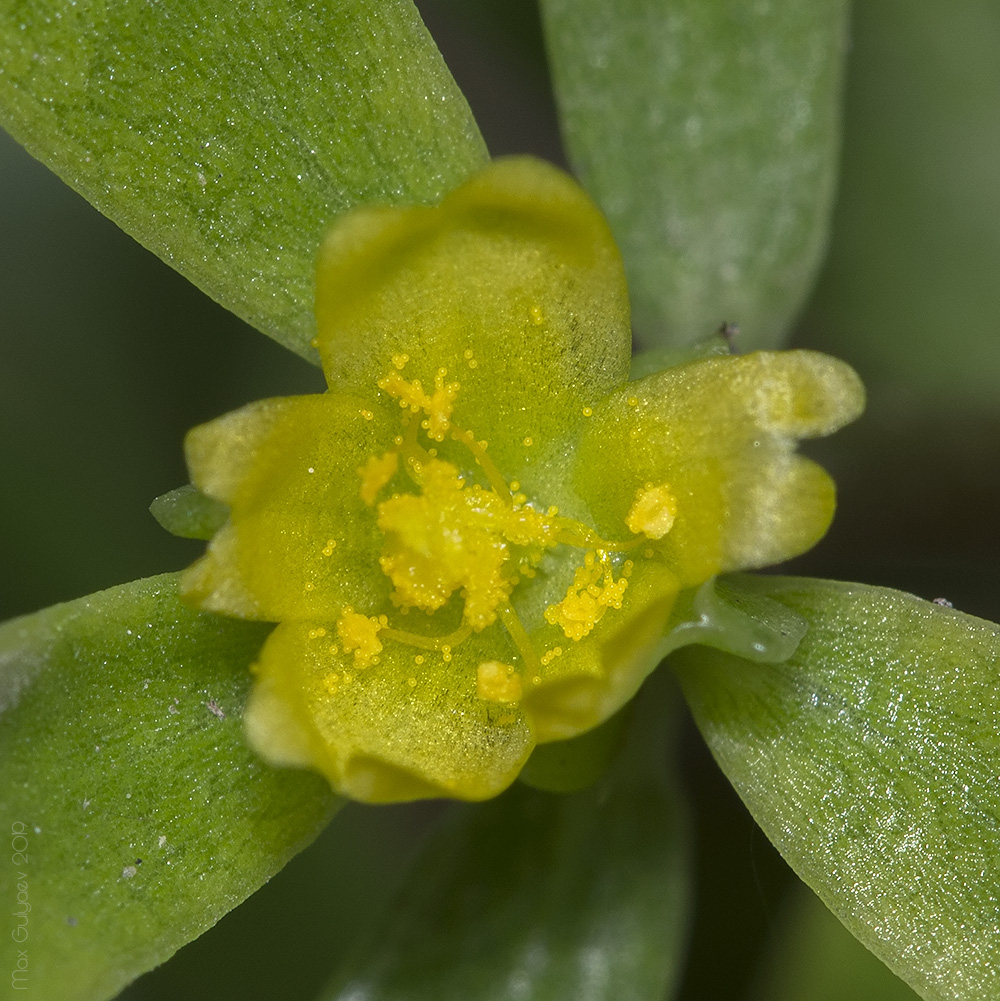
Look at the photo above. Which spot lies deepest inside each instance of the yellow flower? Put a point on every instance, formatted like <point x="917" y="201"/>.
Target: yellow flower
<point x="473" y="541"/>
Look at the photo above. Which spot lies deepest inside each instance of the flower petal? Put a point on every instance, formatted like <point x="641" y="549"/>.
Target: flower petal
<point x="594" y="677"/>
<point x="513" y="284"/>
<point x="701" y="458"/>
<point x="392" y="731"/>
<point x="300" y="542"/>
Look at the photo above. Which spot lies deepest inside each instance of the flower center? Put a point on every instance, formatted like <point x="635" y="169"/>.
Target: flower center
<point x="454" y="536"/>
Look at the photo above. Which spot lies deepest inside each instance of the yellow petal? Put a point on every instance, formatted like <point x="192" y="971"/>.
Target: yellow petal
<point x="513" y="285"/>
<point x="409" y="725"/>
<point x="589" y="680"/>
<point x="718" y="436"/>
<point x="301" y="542"/>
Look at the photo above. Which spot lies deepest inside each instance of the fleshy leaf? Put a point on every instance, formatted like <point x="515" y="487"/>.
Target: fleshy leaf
<point x="225" y="136"/>
<point x="533" y="895"/>
<point x="188" y="513"/>
<point x="869" y="758"/>
<point x="571" y="765"/>
<point x="513" y="284"/>
<point x="708" y="132"/>
<point x="815" y="958"/>
<point x="145" y="817"/>
<point x="718" y="436"/>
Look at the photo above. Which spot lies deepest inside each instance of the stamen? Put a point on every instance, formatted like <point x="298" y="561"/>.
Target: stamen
<point x="572" y="533"/>
<point x="654" y="511"/>
<point x="454" y="535"/>
<point x="414" y="454"/>
<point x="495" y="477"/>
<point x="588" y="597"/>
<point x="438" y="643"/>
<point x="522" y="641"/>
<point x="359" y="633"/>
<point x="375" y="474"/>
<point x="496" y="682"/>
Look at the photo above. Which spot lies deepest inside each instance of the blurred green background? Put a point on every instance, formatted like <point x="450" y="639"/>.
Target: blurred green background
<point x="107" y="357"/>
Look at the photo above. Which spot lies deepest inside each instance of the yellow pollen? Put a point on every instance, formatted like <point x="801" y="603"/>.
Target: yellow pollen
<point x="368" y="415"/>
<point x="588" y="412"/>
<point x="375" y="474"/>
<point x="633" y="401"/>
<point x="653" y="513"/>
<point x="537" y="315"/>
<point x="359" y="633"/>
<point x="587" y="598"/>
<point x="328" y="549"/>
<point x="496" y="682"/>
<point x="437" y="406"/>
<point x="454" y="539"/>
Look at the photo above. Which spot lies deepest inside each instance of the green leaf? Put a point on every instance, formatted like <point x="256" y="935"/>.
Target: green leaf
<point x="708" y="132"/>
<point x="541" y="896"/>
<point x="144" y="816"/>
<point x="870" y="758"/>
<point x="815" y="958"/>
<point x="188" y="513"/>
<point x="571" y="765"/>
<point x="225" y="135"/>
